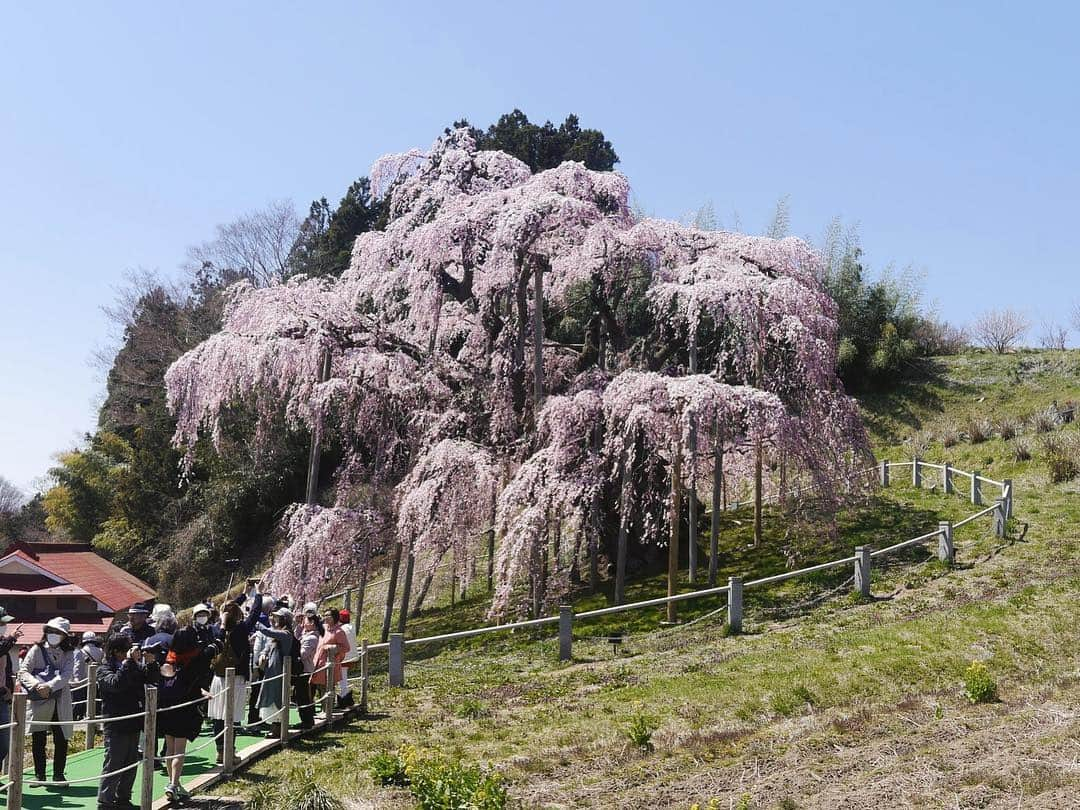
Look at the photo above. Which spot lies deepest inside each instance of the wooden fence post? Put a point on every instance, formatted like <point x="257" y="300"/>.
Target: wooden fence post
<point x="348" y="599"/>
<point x="976" y="488"/>
<point x="146" y="793"/>
<point x="566" y="632"/>
<point x="331" y="682"/>
<point x="884" y="473"/>
<point x="946" y="478"/>
<point x="363" y="677"/>
<point x="286" y="690"/>
<point x="916" y="472"/>
<point x="228" y="761"/>
<point x="946" y="553"/>
<point x="91" y="705"/>
<point x="734" y="602"/>
<point x="16" y="751"/>
<point x="999" y="517"/>
<point x="862" y="570"/>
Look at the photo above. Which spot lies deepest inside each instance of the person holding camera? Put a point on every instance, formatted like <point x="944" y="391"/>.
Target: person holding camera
<point x="45" y="674"/>
<point x="185" y="667"/>
<point x="235" y="653"/>
<point x="137" y="628"/>
<point x="278" y="646"/>
<point x="122" y="679"/>
<point x="9" y="665"/>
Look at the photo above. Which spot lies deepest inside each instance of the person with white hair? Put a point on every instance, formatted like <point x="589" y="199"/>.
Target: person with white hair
<point x="45" y="674"/>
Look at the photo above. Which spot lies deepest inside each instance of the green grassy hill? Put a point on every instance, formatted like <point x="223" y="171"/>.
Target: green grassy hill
<point x="825" y="701"/>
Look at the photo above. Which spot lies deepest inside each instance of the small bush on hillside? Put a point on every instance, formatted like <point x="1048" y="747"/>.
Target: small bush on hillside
<point x="1022" y="449"/>
<point x="1061" y="452"/>
<point x="389" y="768"/>
<point x="1007" y="427"/>
<point x="640" y="732"/>
<point x="294" y="793"/>
<point x="1044" y="421"/>
<point x="788" y="702"/>
<point x="950" y="435"/>
<point x="471" y="709"/>
<point x="1068" y="411"/>
<point x="978" y="430"/>
<point x="979" y="687"/>
<point x="452" y="786"/>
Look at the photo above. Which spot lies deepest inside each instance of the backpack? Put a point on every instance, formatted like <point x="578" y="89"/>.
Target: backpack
<point x="226" y="658"/>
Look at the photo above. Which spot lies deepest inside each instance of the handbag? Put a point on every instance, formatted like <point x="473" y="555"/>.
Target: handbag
<point x="46" y="673"/>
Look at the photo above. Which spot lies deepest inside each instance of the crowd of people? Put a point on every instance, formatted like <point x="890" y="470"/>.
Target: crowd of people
<point x="253" y="634"/>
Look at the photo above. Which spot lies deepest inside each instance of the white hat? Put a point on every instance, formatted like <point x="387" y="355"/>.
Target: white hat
<point x="311" y="607"/>
<point x="283" y="613"/>
<point x="89" y="635"/>
<point x="202" y="607"/>
<point x="60" y="624"/>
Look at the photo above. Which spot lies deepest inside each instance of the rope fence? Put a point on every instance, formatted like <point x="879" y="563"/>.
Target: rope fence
<point x="861" y="560"/>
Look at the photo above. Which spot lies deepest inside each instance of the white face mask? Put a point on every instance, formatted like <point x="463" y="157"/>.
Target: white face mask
<point x="202" y="618"/>
<point x="54" y="639"/>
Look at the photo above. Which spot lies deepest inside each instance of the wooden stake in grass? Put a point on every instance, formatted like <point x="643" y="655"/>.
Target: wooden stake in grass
<point x="406" y="589"/>
<point x="717" y="505"/>
<point x="391" y="589"/>
<point x="676" y="515"/>
<point x="620" y="553"/>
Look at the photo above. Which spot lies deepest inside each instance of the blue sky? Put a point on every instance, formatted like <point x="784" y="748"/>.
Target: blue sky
<point x="128" y="130"/>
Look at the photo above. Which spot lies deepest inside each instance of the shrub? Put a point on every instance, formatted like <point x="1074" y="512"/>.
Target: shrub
<point x="389" y="768"/>
<point x="310" y="796"/>
<point x="1022" y="449"/>
<point x="950" y="435"/>
<point x="294" y="793"/>
<point x="792" y="700"/>
<point x="1044" y="421"/>
<point x="1068" y="411"/>
<point x="1061" y="452"/>
<point x="978" y="430"/>
<point x="640" y="732"/>
<point x="979" y="687"/>
<point x="471" y="709"/>
<point x="1007" y="427"/>
<point x="450" y="786"/>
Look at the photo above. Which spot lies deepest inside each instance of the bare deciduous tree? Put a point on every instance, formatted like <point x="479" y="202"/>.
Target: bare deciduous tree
<point x="1075" y="315"/>
<point x="256" y="245"/>
<point x="11" y="498"/>
<point x="1000" y="329"/>
<point x="1053" y="336"/>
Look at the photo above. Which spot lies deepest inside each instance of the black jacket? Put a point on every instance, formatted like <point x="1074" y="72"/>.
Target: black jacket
<point x="121" y="688"/>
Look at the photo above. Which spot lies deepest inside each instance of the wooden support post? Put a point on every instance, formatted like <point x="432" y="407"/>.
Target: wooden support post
<point x="946" y="552"/>
<point x="491" y="546"/>
<point x="538" y="334"/>
<point x="406" y="590"/>
<point x="91" y="705"/>
<point x="315" y="452"/>
<point x="566" y="632"/>
<point x="364" y="672"/>
<point x="999" y="517"/>
<point x="946" y="478"/>
<point x="397" y="660"/>
<point x="862" y="570"/>
<point x="976" y="488"/>
<point x="330" y="699"/>
<point x="734" y="604"/>
<point x="675" y="519"/>
<point x="16" y="751"/>
<point x="717" y="506"/>
<point x="692" y="519"/>
<point x="916" y="473"/>
<point x="884" y="473"/>
<point x="146" y="794"/>
<point x="286" y="691"/>
<point x="1007" y="494"/>
<point x="228" y="762"/>
<point x="620" y="548"/>
<point x="391" y="589"/>
<point x="348" y="600"/>
<point x="759" y="453"/>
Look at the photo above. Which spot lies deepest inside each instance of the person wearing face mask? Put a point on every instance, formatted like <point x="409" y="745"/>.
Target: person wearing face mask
<point x="87" y="653"/>
<point x="45" y="674"/>
<point x="9" y="665"/>
<point x="278" y="647"/>
<point x="235" y="653"/>
<point x="310" y="631"/>
<point x="206" y="634"/>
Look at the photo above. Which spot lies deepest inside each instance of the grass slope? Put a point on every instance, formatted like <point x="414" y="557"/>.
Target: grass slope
<point x="824" y="702"/>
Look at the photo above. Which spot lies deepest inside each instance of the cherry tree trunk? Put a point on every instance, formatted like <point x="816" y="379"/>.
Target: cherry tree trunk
<point x="425" y="586"/>
<point x="538" y="334"/>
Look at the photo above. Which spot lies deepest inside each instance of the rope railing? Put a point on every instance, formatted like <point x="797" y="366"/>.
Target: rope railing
<point x="735" y="587"/>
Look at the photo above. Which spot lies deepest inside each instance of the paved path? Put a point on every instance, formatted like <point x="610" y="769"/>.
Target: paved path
<point x="88" y="764"/>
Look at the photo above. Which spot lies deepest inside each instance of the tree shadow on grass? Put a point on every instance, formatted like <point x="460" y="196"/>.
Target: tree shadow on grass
<point x="886" y="412"/>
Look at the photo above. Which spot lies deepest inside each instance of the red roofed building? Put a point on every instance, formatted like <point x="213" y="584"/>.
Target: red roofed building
<point x="41" y="580"/>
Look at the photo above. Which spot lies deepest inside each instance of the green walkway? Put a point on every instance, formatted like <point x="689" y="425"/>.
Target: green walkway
<point x="88" y="763"/>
